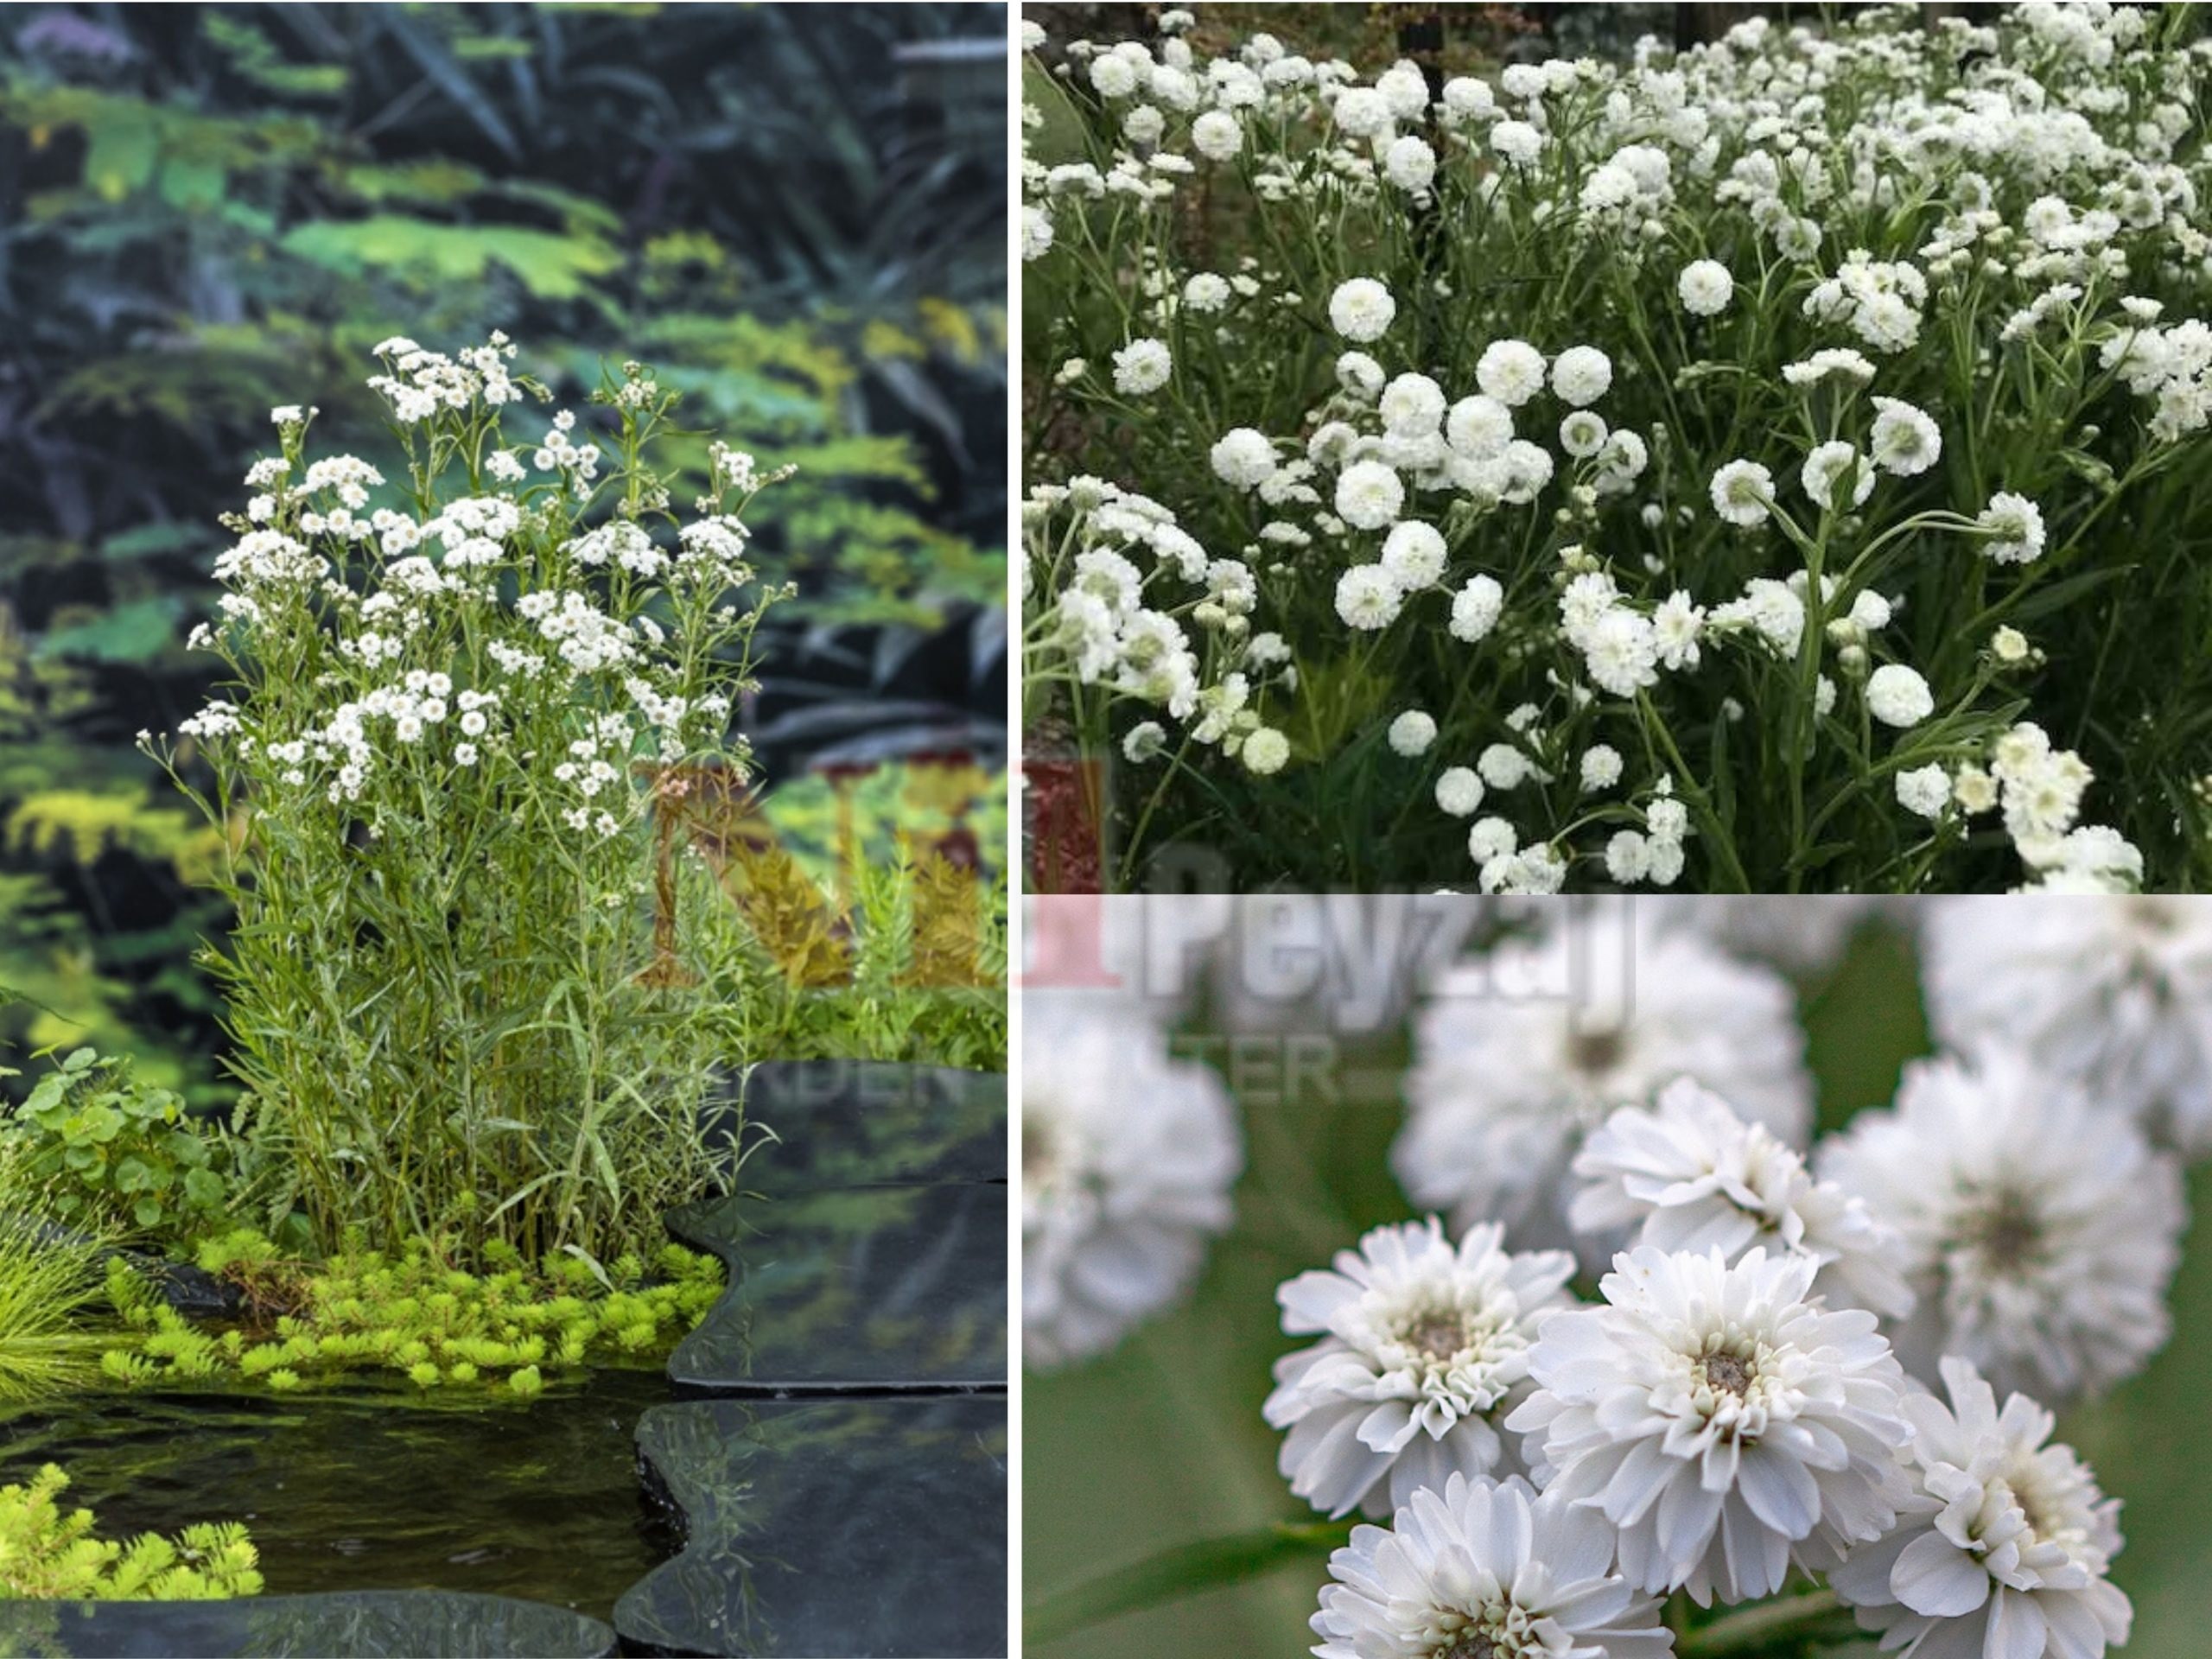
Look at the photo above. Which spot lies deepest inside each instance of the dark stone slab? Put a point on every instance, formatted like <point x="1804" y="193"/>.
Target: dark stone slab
<point x="360" y="1625"/>
<point x="866" y="1123"/>
<point x="872" y="1289"/>
<point x="850" y="1527"/>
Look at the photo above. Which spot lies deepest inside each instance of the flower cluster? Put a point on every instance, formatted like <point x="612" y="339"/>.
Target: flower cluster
<point x="458" y="678"/>
<point x="1668" y="1344"/>
<point x="1738" y="413"/>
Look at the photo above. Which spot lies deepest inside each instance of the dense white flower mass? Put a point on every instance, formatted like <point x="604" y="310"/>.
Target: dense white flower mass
<point x="1516" y="1058"/>
<point x="1128" y="1156"/>
<point x="1725" y="1421"/>
<point x="1485" y="1570"/>
<point x="1807" y="935"/>
<point x="1424" y="1350"/>
<point x="1690" y="1174"/>
<point x="2113" y="993"/>
<point x="2006" y="1543"/>
<point x="2040" y="1230"/>
<point x="1753" y="386"/>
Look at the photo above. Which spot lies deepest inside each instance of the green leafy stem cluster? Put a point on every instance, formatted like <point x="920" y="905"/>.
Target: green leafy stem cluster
<point x="49" y="1552"/>
<point x="416" y="1314"/>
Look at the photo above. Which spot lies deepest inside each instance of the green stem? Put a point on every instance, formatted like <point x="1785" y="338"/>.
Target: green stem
<point x="1174" y="1575"/>
<point x="1755" y="1627"/>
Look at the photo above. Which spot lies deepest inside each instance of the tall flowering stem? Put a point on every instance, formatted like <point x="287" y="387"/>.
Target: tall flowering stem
<point x="451" y="704"/>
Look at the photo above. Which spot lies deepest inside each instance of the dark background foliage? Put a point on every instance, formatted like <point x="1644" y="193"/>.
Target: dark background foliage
<point x="795" y="212"/>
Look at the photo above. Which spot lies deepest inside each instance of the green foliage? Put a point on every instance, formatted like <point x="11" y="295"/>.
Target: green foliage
<point x="50" y="1287"/>
<point x="120" y="1155"/>
<point x="46" y="1553"/>
<point x="416" y="1312"/>
<point x="900" y="960"/>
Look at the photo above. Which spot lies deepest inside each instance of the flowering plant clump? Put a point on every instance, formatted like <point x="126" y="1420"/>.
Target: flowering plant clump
<point x="1777" y="465"/>
<point x="1784" y="1386"/>
<point x="454" y="695"/>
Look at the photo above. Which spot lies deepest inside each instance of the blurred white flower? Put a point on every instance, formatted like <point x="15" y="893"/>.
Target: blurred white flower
<point x="1806" y="934"/>
<point x="1688" y="1174"/>
<point x="1728" y="1427"/>
<point x="2112" y="992"/>
<point x="2006" y="1544"/>
<point x="1485" y="1571"/>
<point x="1520" y="1052"/>
<point x="1424" y="1347"/>
<point x="1127" y="1159"/>
<point x="2041" y="1231"/>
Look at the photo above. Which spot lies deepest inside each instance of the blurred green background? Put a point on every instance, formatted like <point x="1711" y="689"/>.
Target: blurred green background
<point x="795" y="212"/>
<point x="1160" y="1444"/>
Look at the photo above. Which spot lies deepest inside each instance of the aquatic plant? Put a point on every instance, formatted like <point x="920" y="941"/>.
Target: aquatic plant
<point x="50" y="1284"/>
<point x="454" y="704"/>
<point x="417" y="1313"/>
<point x="46" y="1553"/>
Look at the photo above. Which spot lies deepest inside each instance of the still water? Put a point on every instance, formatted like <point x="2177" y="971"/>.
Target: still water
<point x="372" y="1487"/>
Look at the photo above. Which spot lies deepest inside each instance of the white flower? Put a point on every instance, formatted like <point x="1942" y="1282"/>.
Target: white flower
<point x="1582" y="433"/>
<point x="1807" y="935"/>
<point x="1424" y="1349"/>
<point x="1144" y="742"/>
<point x="2113" y="993"/>
<point x="1206" y="293"/>
<point x="1516" y="142"/>
<point x="1490" y="838"/>
<point x="1600" y="768"/>
<point x="1924" y="791"/>
<point x="2007" y="1540"/>
<point x="1361" y="309"/>
<point x="1478" y="428"/>
<point x="1485" y="1571"/>
<point x="1743" y="491"/>
<point x="1459" y="792"/>
<point x="1581" y="375"/>
<point x="1906" y="441"/>
<point x="1514" y="1061"/>
<point x="1628" y="857"/>
<point x="1368" y="597"/>
<point x="1726" y="1424"/>
<point x="2014" y="526"/>
<point x="1409" y="164"/>
<point x="1828" y="464"/>
<point x="1412" y="406"/>
<point x="1112" y="76"/>
<point x="1243" y="458"/>
<point x="1036" y="233"/>
<point x="1127" y="1157"/>
<point x="1369" y="495"/>
<point x="1706" y="288"/>
<point x="1141" y="367"/>
<point x="1509" y="371"/>
<point x="1411" y="733"/>
<point x="1898" y="695"/>
<point x="2041" y="1230"/>
<point x="1688" y="1174"/>
<point x="1621" y="653"/>
<point x="1503" y="767"/>
<point x="1415" y="553"/>
<point x="1216" y="136"/>
<point x="1264" y="752"/>
<point x="1475" y="609"/>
